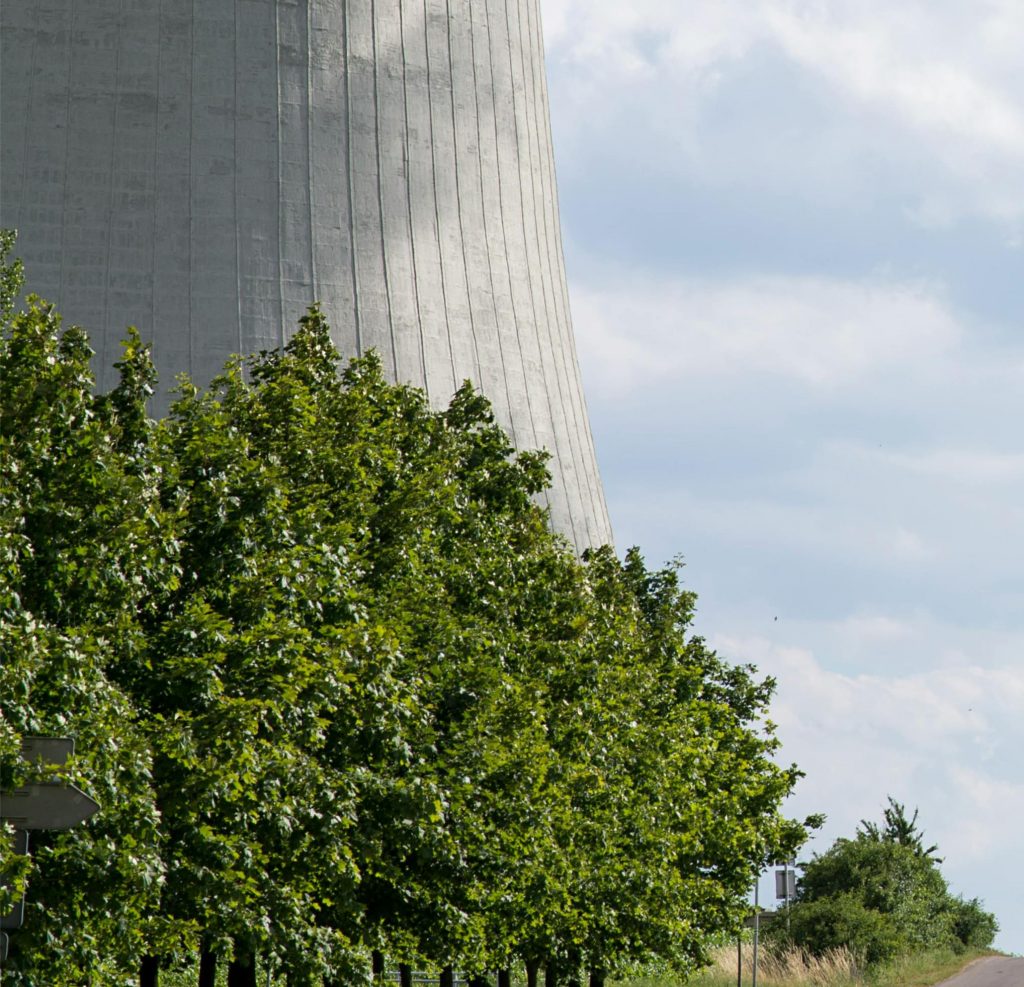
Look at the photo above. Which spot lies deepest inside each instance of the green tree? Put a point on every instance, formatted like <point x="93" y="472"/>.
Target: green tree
<point x="973" y="927"/>
<point x="844" y="920"/>
<point x="339" y="688"/>
<point x="78" y="563"/>
<point x="897" y="828"/>
<point x="888" y="878"/>
<point x="881" y="893"/>
<point x="673" y="791"/>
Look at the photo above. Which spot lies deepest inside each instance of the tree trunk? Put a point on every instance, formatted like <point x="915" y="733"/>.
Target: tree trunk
<point x="377" y="964"/>
<point x="447" y="977"/>
<point x="149" y="972"/>
<point x="575" y="962"/>
<point x="207" y="969"/>
<point x="550" y="974"/>
<point x="597" y="978"/>
<point x="504" y="978"/>
<point x="405" y="975"/>
<point x="532" y="967"/>
<point x="242" y="969"/>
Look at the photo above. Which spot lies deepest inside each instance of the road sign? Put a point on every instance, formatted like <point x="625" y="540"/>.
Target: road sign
<point x="51" y="806"/>
<point x="785" y="885"/>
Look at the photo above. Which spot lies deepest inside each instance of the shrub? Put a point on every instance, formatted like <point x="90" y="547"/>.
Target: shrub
<point x="843" y="921"/>
<point x="973" y="927"/>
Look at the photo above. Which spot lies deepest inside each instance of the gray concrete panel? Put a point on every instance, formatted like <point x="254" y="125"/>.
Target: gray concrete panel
<point x="205" y="171"/>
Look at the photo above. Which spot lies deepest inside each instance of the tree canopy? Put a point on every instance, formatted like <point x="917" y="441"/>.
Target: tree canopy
<point x="339" y="688"/>
<point x="882" y="893"/>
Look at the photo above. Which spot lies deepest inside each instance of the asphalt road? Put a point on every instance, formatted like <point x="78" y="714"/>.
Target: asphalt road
<point x="993" y="971"/>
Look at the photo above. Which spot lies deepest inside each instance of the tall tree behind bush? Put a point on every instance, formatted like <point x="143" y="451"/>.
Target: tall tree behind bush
<point x="881" y="893"/>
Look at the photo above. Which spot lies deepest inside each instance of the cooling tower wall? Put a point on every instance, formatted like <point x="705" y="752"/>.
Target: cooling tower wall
<point x="206" y="169"/>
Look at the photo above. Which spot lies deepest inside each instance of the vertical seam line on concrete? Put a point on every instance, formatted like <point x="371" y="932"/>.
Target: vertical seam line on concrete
<point x="380" y="186"/>
<point x="67" y="139"/>
<point x="351" y="182"/>
<point x="237" y="217"/>
<point x="407" y="161"/>
<point x="314" y="285"/>
<point x="553" y="322"/>
<point x="521" y="141"/>
<point x="191" y="158"/>
<point x="599" y="511"/>
<point x="105" y="328"/>
<point x="437" y="210"/>
<point x="280" y="180"/>
<point x="458" y="202"/>
<point x="529" y="268"/>
<point x="483" y="219"/>
<point x="29" y="115"/>
<point x="156" y="170"/>
<point x="504" y="231"/>
<point x="570" y="389"/>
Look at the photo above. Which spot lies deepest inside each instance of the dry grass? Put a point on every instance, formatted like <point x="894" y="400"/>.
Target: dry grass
<point x="837" y="968"/>
<point x="793" y="968"/>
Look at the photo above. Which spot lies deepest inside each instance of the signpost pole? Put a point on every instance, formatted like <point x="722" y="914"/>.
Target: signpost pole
<point x="786" y="873"/>
<point x="757" y="928"/>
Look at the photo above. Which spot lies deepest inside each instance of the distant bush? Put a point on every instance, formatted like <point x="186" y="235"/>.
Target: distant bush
<point x="881" y="894"/>
<point x="973" y="927"/>
<point x="844" y="921"/>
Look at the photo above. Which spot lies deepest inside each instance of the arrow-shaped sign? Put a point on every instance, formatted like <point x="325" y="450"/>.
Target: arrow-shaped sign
<point x="54" y="806"/>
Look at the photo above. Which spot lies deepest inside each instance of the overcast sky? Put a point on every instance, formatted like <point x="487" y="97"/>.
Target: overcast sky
<point x="794" y="233"/>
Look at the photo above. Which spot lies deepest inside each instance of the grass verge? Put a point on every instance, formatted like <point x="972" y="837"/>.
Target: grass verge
<point x="837" y="968"/>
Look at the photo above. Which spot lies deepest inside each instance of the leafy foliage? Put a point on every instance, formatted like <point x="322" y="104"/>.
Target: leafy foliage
<point x="77" y="565"/>
<point x="339" y="688"/>
<point x="882" y="893"/>
<point x="897" y="828"/>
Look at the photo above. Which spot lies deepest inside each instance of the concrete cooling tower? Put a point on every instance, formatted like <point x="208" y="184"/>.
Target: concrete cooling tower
<point x="206" y="169"/>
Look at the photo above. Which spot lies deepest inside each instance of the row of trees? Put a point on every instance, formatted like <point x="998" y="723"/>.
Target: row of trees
<point x="339" y="689"/>
<point x="881" y="894"/>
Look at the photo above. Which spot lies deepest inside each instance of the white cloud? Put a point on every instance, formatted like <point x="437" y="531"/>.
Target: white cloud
<point x="930" y="98"/>
<point x="968" y="467"/>
<point x="916" y="643"/>
<point x="877" y="61"/>
<point x="994" y="808"/>
<point x="945" y="741"/>
<point x="816" y="332"/>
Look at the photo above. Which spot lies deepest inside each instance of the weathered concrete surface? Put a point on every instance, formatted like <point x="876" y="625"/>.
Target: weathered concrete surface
<point x="205" y="169"/>
<point x="993" y="971"/>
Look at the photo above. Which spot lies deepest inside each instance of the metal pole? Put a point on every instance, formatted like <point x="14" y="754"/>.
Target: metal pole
<point x="757" y="929"/>
<point x="785" y="877"/>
